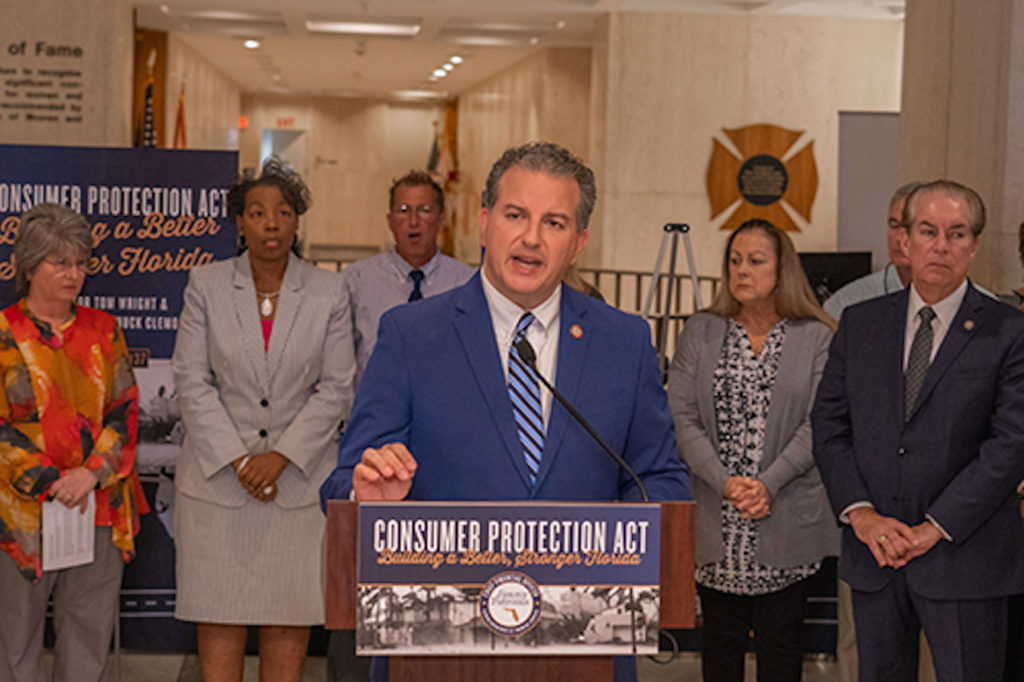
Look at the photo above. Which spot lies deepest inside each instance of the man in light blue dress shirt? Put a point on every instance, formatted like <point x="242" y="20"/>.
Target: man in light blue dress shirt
<point x="379" y="283"/>
<point x="890" y="279"/>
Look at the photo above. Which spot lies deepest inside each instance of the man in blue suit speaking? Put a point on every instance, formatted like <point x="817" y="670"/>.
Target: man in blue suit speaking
<point x="446" y="409"/>
<point x="919" y="438"/>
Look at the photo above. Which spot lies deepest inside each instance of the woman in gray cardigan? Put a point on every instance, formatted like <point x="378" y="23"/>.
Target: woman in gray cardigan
<point x="740" y="388"/>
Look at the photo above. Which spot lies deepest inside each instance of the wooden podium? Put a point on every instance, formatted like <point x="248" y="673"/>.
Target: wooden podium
<point x="676" y="611"/>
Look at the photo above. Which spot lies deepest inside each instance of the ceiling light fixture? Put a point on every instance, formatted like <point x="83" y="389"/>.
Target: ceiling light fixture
<point x="447" y="67"/>
<point x="456" y="59"/>
<point x="251" y="44"/>
<point x="439" y="73"/>
<point x="384" y="27"/>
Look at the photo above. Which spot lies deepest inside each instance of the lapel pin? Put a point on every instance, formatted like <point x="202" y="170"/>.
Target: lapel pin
<point x="969" y="325"/>
<point x="576" y="331"/>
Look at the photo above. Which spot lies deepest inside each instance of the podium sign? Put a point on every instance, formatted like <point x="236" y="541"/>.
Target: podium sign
<point x="507" y="579"/>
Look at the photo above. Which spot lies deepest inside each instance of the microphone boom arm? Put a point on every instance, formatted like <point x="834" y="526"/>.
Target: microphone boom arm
<point x="529" y="358"/>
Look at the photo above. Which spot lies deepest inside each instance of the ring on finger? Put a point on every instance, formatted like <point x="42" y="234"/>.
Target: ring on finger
<point x="268" y="489"/>
<point x="882" y="538"/>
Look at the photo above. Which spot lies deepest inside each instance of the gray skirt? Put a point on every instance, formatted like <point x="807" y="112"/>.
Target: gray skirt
<point x="257" y="564"/>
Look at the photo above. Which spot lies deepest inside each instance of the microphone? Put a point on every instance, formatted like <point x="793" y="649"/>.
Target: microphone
<point x="529" y="358"/>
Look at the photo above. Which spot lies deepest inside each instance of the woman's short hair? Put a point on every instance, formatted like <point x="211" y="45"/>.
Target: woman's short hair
<point x="43" y="230"/>
<point x="275" y="173"/>
<point x="794" y="299"/>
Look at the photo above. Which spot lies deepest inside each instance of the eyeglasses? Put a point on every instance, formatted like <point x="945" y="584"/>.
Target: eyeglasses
<point x="425" y="211"/>
<point x="61" y="264"/>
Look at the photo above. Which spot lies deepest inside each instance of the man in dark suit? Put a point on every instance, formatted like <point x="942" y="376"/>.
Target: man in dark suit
<point x="919" y="437"/>
<point x="446" y="411"/>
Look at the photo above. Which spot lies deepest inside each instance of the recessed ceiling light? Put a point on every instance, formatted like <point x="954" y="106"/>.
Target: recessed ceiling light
<point x="417" y="94"/>
<point x="534" y="40"/>
<point x="439" y="73"/>
<point x="251" y="44"/>
<point x="381" y="27"/>
<point x="455" y="59"/>
<point x="447" y="67"/>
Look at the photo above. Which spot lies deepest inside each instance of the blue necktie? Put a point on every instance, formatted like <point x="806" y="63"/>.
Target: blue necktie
<point x="417" y="279"/>
<point x="524" y="391"/>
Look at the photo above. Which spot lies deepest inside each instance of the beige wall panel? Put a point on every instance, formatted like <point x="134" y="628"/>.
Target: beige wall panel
<point x="924" y="113"/>
<point x="1006" y="244"/>
<point x="598" y="127"/>
<point x="212" y="100"/>
<point x="545" y="96"/>
<point x="103" y="29"/>
<point x="270" y="112"/>
<point x="963" y="113"/>
<point x="977" y="134"/>
<point x="675" y="81"/>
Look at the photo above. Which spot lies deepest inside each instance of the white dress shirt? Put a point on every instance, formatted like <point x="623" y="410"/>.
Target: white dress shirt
<point x="542" y="333"/>
<point x="945" y="311"/>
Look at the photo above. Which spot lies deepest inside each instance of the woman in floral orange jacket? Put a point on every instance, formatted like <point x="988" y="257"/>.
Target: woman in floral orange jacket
<point x="68" y="426"/>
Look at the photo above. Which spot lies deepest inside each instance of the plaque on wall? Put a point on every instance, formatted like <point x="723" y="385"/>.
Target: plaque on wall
<point x="767" y="177"/>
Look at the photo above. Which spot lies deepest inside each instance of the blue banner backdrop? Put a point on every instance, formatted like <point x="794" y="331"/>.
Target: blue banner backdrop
<point x="154" y="214"/>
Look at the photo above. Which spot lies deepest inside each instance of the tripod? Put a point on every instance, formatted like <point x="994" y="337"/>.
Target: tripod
<point x="671" y="231"/>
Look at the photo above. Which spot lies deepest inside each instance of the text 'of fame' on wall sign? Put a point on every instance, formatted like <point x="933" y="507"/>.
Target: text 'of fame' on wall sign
<point x="766" y="175"/>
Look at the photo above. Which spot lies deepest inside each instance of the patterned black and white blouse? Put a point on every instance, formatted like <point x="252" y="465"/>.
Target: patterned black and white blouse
<point x="742" y="392"/>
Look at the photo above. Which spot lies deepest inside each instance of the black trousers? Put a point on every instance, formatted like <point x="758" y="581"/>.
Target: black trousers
<point x="1015" y="640"/>
<point x="342" y="663"/>
<point x="776" y="619"/>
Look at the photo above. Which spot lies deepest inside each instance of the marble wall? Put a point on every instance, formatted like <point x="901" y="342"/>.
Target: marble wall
<point x="66" y="82"/>
<point x="212" y="100"/>
<point x="544" y="97"/>
<point x="963" y="115"/>
<point x="675" y="81"/>
<point x="658" y="91"/>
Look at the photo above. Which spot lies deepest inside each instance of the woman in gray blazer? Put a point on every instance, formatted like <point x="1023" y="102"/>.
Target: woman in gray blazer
<point x="741" y="386"/>
<point x="263" y="366"/>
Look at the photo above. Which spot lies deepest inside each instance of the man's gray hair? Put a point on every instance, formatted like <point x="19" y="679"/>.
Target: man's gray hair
<point x="903" y="191"/>
<point x="43" y="230"/>
<point x="975" y="206"/>
<point x="551" y="159"/>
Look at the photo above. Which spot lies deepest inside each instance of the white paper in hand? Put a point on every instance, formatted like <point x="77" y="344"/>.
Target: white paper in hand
<point x="69" y="536"/>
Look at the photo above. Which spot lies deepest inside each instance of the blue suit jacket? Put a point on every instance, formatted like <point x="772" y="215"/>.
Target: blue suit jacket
<point x="958" y="458"/>
<point x="435" y="383"/>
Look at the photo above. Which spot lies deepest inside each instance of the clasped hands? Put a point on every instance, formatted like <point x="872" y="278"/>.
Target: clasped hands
<point x="892" y="542"/>
<point x="750" y="497"/>
<point x="74" y="487"/>
<point x="258" y="473"/>
<point x="384" y="474"/>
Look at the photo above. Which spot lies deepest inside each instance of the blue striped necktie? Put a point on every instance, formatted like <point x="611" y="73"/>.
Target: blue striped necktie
<point x="524" y="391"/>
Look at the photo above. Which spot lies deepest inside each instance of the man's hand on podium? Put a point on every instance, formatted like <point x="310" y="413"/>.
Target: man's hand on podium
<point x="384" y="474"/>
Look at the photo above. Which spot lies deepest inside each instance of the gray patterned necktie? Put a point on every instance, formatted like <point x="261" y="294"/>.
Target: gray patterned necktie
<point x="919" y="360"/>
